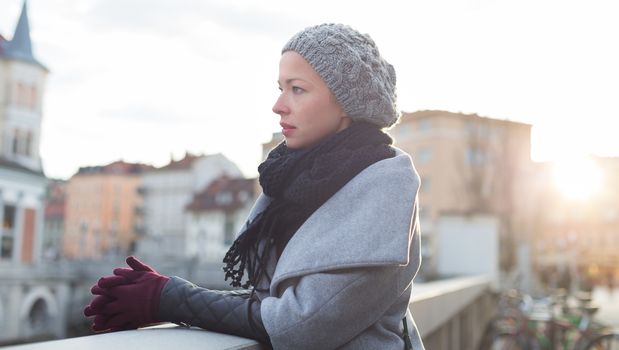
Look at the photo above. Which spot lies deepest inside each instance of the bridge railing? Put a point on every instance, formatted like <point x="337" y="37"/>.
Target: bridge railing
<point x="453" y="313"/>
<point x="450" y="314"/>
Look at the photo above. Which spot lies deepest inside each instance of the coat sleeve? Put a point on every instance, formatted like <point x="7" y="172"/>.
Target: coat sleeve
<point x="234" y="312"/>
<point x="326" y="310"/>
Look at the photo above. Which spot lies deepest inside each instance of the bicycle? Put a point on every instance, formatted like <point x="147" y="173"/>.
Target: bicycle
<point x="547" y="323"/>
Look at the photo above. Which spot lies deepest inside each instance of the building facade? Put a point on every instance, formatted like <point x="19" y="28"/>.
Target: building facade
<point x="101" y="210"/>
<point x="217" y="214"/>
<point x="468" y="165"/>
<point x="53" y="228"/>
<point x="22" y="182"/>
<point x="166" y="192"/>
<point x="31" y="300"/>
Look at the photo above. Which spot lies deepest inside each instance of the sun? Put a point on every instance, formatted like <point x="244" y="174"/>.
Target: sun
<point x="577" y="178"/>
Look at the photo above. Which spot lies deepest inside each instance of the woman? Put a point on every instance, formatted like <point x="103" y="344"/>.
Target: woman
<point x="328" y="254"/>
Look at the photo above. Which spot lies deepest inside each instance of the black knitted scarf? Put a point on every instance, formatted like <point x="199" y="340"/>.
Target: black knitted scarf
<point x="299" y="182"/>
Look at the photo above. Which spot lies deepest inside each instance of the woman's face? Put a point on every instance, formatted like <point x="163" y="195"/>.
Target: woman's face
<point x="308" y="110"/>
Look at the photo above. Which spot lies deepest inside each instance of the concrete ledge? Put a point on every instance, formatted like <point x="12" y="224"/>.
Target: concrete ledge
<point x="433" y="304"/>
<point x="167" y="336"/>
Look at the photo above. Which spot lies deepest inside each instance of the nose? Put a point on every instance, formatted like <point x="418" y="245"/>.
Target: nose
<point x="280" y="106"/>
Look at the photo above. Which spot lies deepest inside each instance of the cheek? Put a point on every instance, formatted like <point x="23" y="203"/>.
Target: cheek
<point x="316" y="118"/>
<point x="330" y="116"/>
<point x="320" y="116"/>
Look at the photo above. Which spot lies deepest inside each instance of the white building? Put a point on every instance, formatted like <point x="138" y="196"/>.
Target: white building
<point x="166" y="192"/>
<point x="22" y="182"/>
<point x="31" y="301"/>
<point x="469" y="245"/>
<point x="216" y="215"/>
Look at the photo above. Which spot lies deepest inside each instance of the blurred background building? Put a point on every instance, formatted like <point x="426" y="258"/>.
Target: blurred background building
<point x="469" y="165"/>
<point x="100" y="210"/>
<point x="217" y="214"/>
<point x="22" y="182"/>
<point x="54" y="220"/>
<point x="30" y="303"/>
<point x="166" y="191"/>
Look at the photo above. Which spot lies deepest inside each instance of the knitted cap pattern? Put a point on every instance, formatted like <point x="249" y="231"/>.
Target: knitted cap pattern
<point x="349" y="63"/>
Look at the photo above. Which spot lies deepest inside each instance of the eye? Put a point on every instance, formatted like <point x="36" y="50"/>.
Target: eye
<point x="297" y="90"/>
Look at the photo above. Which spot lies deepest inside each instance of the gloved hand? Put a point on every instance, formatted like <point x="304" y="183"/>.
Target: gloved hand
<point x="95" y="308"/>
<point x="129" y="299"/>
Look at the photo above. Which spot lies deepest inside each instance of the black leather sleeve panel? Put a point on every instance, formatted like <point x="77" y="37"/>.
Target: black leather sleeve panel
<point x="233" y="312"/>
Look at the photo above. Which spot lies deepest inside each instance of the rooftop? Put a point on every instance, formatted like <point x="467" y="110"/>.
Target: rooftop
<point x="117" y="167"/>
<point x="20" y="46"/>
<point x="224" y="193"/>
<point x="440" y="113"/>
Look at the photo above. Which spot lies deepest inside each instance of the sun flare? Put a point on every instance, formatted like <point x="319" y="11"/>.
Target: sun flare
<point x="578" y="178"/>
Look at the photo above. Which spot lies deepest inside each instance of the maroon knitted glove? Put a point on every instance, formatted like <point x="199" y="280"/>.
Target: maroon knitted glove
<point x="102" y="295"/>
<point x="102" y="298"/>
<point x="127" y="300"/>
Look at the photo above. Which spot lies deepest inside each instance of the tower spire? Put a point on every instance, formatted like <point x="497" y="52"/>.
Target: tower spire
<point x="20" y="46"/>
<point x="21" y="38"/>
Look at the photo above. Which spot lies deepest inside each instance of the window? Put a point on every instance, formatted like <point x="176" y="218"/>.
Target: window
<point x="477" y="129"/>
<point x="243" y="196"/>
<point x="28" y="145"/>
<point x="425" y="126"/>
<point x="22" y="142"/>
<point x="19" y="96"/>
<point x="7" y="233"/>
<point x="33" y="97"/>
<point x="403" y="131"/>
<point x="25" y="95"/>
<point x="224" y="198"/>
<point x="475" y="156"/>
<point x="424" y="154"/>
<point x="6" y="251"/>
<point x="16" y="137"/>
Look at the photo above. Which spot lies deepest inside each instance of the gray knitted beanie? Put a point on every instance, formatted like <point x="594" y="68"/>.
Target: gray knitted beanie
<point x="349" y="62"/>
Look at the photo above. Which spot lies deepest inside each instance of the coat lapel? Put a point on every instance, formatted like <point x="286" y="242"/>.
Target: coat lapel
<point x="368" y="222"/>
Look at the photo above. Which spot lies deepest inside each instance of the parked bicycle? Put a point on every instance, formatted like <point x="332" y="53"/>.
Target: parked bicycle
<point x="558" y="322"/>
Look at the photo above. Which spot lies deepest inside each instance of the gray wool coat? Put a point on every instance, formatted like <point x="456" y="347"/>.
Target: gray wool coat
<point x="343" y="281"/>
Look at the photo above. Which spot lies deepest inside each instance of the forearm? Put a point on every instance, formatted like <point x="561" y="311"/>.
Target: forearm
<point x="231" y="312"/>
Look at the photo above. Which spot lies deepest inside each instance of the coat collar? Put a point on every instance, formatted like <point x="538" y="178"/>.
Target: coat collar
<point x="368" y="222"/>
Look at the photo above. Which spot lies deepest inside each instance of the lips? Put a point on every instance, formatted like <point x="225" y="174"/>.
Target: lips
<point x="287" y="129"/>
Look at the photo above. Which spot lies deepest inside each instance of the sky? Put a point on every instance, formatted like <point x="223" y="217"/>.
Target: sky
<point x="147" y="80"/>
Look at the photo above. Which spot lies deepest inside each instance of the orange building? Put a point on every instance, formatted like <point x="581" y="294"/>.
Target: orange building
<point x="101" y="204"/>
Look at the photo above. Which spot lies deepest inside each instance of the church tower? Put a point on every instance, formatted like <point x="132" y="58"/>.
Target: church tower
<point x="22" y="82"/>
<point x="22" y="181"/>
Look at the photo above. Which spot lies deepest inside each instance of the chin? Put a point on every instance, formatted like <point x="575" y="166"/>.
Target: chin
<point x="295" y="144"/>
<point x="291" y="145"/>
